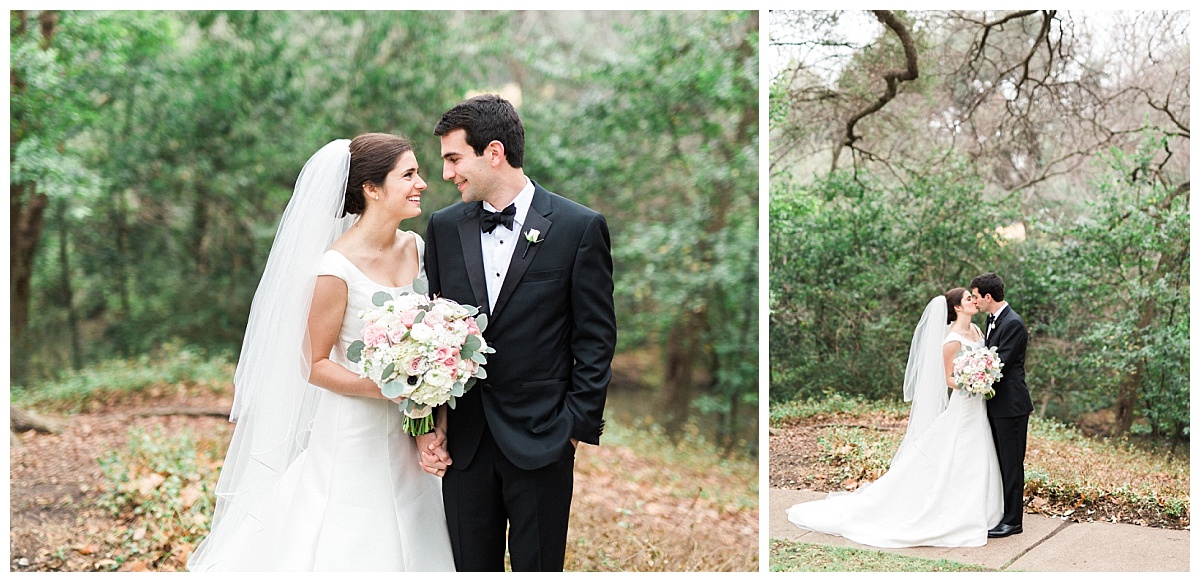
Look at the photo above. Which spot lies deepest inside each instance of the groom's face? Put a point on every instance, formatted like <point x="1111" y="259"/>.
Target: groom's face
<point x="470" y="173"/>
<point x="984" y="301"/>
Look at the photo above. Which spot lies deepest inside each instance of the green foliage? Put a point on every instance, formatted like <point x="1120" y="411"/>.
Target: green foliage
<point x="169" y="366"/>
<point x="853" y="263"/>
<point x="160" y="484"/>
<point x="176" y="137"/>
<point x="831" y="403"/>
<point x="663" y="139"/>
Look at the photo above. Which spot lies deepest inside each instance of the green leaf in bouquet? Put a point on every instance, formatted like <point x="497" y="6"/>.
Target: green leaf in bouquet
<point x="354" y="352"/>
<point x="420" y="285"/>
<point x="393" y="389"/>
<point x="472" y="311"/>
<point x="451" y="402"/>
<point x="481" y="374"/>
<point x="381" y="297"/>
<point x="457" y="389"/>
<point x="472" y="344"/>
<point x="470" y="383"/>
<point x="482" y="322"/>
<point x="388" y="371"/>
<point x="478" y="358"/>
<point x="419" y="317"/>
<point x="409" y="405"/>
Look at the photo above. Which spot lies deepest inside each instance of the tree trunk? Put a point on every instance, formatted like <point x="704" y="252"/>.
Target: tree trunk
<point x="683" y="346"/>
<point x="67" y="296"/>
<point x="27" y="209"/>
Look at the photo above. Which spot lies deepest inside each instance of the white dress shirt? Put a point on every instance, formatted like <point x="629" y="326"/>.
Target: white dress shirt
<point x="499" y="244"/>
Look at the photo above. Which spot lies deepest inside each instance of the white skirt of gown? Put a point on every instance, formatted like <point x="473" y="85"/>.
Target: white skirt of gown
<point x="944" y="490"/>
<point x="355" y="500"/>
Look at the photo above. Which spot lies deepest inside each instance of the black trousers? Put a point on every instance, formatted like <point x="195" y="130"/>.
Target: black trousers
<point x="1009" y="435"/>
<point x="492" y="497"/>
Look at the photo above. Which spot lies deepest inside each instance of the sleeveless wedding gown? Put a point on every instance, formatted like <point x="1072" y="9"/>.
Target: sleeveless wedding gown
<point x="356" y="499"/>
<point x="943" y="488"/>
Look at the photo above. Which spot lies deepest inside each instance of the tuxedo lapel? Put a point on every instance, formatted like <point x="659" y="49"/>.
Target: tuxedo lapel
<point x="468" y="236"/>
<point x="537" y="219"/>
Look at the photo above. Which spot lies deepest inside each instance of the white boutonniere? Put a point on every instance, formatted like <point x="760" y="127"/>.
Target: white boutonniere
<point x="531" y="238"/>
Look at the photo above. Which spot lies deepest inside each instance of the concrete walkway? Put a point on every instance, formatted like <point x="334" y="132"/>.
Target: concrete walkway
<point x="1046" y="545"/>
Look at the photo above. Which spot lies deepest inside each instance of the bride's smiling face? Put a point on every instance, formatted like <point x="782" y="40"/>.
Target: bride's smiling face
<point x="401" y="190"/>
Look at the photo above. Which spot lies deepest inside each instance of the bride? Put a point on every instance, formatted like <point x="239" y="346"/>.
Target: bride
<point x="319" y="475"/>
<point x="943" y="487"/>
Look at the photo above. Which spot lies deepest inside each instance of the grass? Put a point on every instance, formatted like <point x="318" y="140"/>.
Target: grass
<point x="788" y="556"/>
<point x="75" y="391"/>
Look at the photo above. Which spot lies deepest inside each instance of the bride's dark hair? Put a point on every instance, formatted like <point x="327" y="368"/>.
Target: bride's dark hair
<point x="953" y="297"/>
<point x="372" y="156"/>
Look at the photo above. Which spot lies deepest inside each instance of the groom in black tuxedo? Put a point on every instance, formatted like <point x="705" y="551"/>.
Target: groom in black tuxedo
<point x="540" y="266"/>
<point x="1008" y="411"/>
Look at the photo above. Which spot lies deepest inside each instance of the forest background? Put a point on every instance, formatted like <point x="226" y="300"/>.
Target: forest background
<point x="152" y="154"/>
<point x="911" y="151"/>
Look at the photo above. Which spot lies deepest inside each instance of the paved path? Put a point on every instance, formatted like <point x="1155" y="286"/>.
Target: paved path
<point x="1046" y="545"/>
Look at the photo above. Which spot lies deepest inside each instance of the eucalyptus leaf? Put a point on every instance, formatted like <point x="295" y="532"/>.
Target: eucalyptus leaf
<point x="409" y="405"/>
<point x="451" y="402"/>
<point x="458" y="389"/>
<point x="420" y="316"/>
<point x="481" y="374"/>
<point x="381" y="297"/>
<point x="482" y="322"/>
<point x="388" y="371"/>
<point x="393" y="389"/>
<point x="472" y="311"/>
<point x="420" y="285"/>
<point x="472" y="344"/>
<point x="478" y="358"/>
<point x="354" y="352"/>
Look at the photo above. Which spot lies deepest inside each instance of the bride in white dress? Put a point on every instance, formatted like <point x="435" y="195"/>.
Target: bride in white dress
<point x="319" y="475"/>
<point x="943" y="487"/>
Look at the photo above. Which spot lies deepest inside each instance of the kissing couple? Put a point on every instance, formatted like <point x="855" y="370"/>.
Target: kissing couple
<point x="320" y="474"/>
<point x="958" y="477"/>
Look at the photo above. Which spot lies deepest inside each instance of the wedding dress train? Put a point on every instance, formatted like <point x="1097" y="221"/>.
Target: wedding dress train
<point x="943" y="487"/>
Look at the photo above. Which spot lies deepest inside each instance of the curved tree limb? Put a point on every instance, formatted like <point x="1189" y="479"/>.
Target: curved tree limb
<point x="892" y="78"/>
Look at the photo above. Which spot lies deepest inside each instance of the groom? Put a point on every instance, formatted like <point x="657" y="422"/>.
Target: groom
<point x="540" y="266"/>
<point x="1008" y="411"/>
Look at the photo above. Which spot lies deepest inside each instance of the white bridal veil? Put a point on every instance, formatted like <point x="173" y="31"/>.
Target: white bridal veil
<point x="925" y="373"/>
<point x="273" y="403"/>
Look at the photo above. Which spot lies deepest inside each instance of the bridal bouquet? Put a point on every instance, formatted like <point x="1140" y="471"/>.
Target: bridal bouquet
<point x="429" y="351"/>
<point x="977" y="369"/>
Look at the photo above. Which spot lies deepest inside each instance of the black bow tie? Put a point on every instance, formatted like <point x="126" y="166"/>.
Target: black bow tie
<point x="991" y="319"/>
<point x="493" y="219"/>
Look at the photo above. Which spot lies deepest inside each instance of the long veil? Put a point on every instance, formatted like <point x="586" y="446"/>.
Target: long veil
<point x="925" y="374"/>
<point x="273" y="402"/>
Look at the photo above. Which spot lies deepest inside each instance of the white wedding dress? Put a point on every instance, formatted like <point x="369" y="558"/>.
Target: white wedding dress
<point x="356" y="498"/>
<point x="942" y="489"/>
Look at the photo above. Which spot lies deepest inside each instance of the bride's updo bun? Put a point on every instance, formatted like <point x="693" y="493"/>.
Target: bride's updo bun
<point x="372" y="156"/>
<point x="954" y="298"/>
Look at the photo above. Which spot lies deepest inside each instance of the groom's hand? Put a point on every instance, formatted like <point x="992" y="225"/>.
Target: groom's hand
<point x="434" y="456"/>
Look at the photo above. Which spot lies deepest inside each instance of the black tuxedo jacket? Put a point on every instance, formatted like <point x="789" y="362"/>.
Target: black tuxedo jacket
<point x="553" y="327"/>
<point x="1010" y="337"/>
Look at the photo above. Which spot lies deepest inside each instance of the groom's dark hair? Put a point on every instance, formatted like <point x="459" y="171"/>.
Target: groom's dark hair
<point x="989" y="284"/>
<point x="487" y="118"/>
